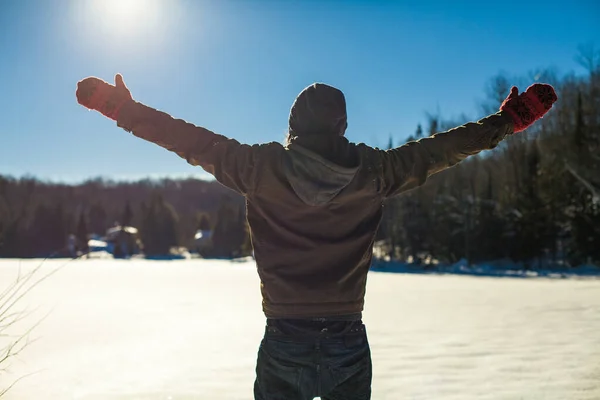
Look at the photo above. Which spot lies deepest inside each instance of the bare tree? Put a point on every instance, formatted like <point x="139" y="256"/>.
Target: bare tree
<point x="496" y="91"/>
<point x="588" y="56"/>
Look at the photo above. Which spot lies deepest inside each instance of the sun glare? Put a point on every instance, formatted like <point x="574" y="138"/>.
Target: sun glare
<point x="130" y="17"/>
<point x="137" y="29"/>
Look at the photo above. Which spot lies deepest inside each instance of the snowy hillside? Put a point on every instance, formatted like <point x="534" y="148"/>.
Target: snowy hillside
<point x="190" y="330"/>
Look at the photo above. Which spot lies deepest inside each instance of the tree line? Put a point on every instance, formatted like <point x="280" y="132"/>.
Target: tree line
<point x="535" y="200"/>
<point x="37" y="217"/>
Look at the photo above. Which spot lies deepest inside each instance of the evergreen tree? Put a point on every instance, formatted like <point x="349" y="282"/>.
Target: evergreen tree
<point x="159" y="229"/>
<point x="419" y="132"/>
<point x="223" y="238"/>
<point x="434" y="124"/>
<point x="203" y="222"/>
<point x="49" y="234"/>
<point x="82" y="234"/>
<point x="98" y="219"/>
<point x="127" y="217"/>
<point x="4" y="219"/>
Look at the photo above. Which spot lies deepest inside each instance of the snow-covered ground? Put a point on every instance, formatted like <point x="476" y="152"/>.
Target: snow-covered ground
<point x="190" y="330"/>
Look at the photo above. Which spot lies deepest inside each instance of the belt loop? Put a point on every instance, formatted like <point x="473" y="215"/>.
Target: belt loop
<point x="271" y="329"/>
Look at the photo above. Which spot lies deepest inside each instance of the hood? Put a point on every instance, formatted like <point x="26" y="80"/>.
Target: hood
<point x="318" y="109"/>
<point x="315" y="179"/>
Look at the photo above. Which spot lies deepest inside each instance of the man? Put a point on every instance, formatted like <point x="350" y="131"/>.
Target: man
<point x="314" y="206"/>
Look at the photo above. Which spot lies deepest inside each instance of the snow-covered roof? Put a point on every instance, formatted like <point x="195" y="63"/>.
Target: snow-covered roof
<point x="128" y="229"/>
<point x="97" y="243"/>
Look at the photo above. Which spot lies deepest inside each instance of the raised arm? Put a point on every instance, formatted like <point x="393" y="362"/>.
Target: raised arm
<point x="410" y="165"/>
<point x="231" y="163"/>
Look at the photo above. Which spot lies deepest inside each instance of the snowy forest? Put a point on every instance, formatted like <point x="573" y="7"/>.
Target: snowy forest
<point x="533" y="200"/>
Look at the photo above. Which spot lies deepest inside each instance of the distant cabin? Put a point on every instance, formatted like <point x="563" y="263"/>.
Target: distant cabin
<point x="123" y="241"/>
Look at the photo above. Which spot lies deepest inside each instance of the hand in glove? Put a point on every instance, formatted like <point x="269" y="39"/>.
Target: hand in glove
<point x="528" y="107"/>
<point x="101" y="96"/>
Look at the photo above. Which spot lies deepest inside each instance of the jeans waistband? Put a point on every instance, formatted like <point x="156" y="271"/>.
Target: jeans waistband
<point x="312" y="328"/>
<point x="345" y="317"/>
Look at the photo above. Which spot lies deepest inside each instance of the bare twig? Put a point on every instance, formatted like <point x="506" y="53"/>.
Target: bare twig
<point x="9" y="299"/>
<point x="584" y="182"/>
<point x="4" y="391"/>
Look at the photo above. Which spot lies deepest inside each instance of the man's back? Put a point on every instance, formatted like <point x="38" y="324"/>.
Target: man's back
<point x="313" y="215"/>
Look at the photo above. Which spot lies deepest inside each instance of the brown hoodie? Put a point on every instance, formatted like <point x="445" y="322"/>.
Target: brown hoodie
<point x="314" y="205"/>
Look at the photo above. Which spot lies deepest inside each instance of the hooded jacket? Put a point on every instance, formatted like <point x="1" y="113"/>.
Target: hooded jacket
<point x="314" y="205"/>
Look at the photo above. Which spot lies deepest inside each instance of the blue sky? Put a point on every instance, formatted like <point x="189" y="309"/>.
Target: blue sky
<point x="235" y="67"/>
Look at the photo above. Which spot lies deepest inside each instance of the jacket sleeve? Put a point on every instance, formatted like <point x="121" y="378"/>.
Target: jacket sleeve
<point x="231" y="163"/>
<point x="410" y="165"/>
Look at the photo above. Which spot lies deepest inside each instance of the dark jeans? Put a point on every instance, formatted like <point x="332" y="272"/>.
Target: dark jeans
<point x="304" y="359"/>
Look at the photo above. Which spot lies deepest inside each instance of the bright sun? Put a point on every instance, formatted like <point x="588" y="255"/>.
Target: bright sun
<point x="137" y="29"/>
<point x="131" y="17"/>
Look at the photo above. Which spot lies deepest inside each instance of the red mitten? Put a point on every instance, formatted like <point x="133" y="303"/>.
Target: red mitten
<point x="101" y="96"/>
<point x="528" y="107"/>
